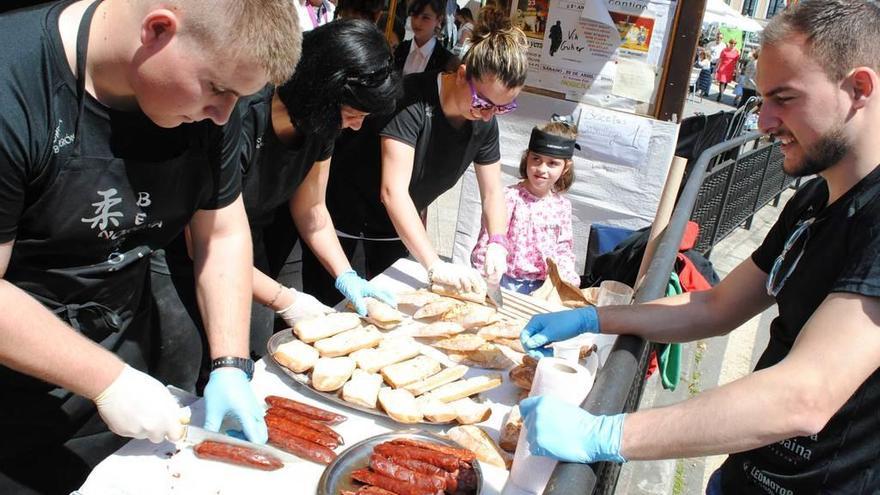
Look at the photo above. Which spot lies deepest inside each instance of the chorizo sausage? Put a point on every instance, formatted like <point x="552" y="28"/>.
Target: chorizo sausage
<point x="445" y="461"/>
<point x="391" y="484"/>
<point x="299" y="447"/>
<point x="463" y="454"/>
<point x="304" y="421"/>
<point x="424" y="467"/>
<point x="237" y="454"/>
<point x="387" y="466"/>
<point x="368" y="490"/>
<point x="306" y="410"/>
<point x="300" y="431"/>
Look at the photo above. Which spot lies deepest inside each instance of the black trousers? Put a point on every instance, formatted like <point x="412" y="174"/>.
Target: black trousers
<point x="368" y="258"/>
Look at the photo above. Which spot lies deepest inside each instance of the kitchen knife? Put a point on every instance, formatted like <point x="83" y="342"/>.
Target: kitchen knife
<point x="195" y="435"/>
<point x="494" y="293"/>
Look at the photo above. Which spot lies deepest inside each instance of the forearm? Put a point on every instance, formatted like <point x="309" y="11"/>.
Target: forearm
<point x="757" y="410"/>
<point x="270" y="292"/>
<point x="409" y="227"/>
<point x="35" y="342"/>
<point x="224" y="279"/>
<point x="317" y="231"/>
<point x="495" y="212"/>
<point x="682" y="318"/>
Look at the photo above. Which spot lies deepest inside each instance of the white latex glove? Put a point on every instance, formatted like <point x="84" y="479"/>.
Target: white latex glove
<point x="304" y="306"/>
<point x="463" y="278"/>
<point x="136" y="405"/>
<point x="496" y="263"/>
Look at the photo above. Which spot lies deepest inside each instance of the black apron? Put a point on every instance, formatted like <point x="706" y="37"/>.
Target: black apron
<point x="83" y="247"/>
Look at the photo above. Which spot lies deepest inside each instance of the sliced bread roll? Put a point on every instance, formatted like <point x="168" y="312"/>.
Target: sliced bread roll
<point x="471" y="316"/>
<point x="296" y="355"/>
<point x="389" y="352"/>
<point x="448" y="375"/>
<point x="502" y="330"/>
<point x="468" y="411"/>
<point x="436" y="308"/>
<point x="343" y="344"/>
<point x="410" y="371"/>
<point x="436" y="411"/>
<point x="438" y="329"/>
<point x="321" y="327"/>
<point x="510" y="430"/>
<point x="478" y="297"/>
<point x="464" y="388"/>
<point x="480" y="443"/>
<point x="416" y="299"/>
<point x="331" y="374"/>
<point x="464" y="342"/>
<point x="382" y="315"/>
<point x="362" y="389"/>
<point x="400" y="405"/>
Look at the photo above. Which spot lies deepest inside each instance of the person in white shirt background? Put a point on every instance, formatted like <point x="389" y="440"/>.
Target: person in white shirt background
<point x="422" y="53"/>
<point x="314" y="13"/>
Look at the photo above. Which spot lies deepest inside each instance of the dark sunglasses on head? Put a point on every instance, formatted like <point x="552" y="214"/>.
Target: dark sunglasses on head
<point x="791" y="254"/>
<point x="482" y="104"/>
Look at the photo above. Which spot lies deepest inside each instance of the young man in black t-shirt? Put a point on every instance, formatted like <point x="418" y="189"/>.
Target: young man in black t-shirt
<point x="106" y="152"/>
<point x="806" y="421"/>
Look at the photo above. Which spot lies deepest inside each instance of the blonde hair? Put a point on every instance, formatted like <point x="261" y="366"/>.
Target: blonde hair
<point x="564" y="182"/>
<point x="497" y="49"/>
<point x="264" y="31"/>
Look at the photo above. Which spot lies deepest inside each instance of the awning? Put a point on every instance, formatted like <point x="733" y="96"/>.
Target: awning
<point x="719" y="12"/>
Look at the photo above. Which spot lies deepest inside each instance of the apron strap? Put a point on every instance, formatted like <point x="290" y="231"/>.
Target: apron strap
<point x="82" y="48"/>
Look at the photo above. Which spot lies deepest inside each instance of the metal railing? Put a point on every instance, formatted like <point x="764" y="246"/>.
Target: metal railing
<point x="619" y="384"/>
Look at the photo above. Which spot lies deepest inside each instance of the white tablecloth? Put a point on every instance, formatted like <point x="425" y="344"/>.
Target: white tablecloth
<point x="145" y="468"/>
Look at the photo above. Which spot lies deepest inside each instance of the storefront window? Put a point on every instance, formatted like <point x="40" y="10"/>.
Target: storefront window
<point x="775" y="7"/>
<point x="749" y="7"/>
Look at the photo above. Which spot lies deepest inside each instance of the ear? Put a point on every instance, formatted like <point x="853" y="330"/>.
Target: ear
<point x="158" y="27"/>
<point x="862" y="82"/>
<point x="461" y="74"/>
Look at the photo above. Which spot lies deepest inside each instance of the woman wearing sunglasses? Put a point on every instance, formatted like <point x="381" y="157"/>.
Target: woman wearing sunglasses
<point x="383" y="176"/>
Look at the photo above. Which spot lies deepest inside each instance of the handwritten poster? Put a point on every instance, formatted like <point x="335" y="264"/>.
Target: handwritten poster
<point x="613" y="137"/>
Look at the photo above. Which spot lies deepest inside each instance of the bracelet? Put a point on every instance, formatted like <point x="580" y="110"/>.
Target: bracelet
<point x="499" y="239"/>
<point x="277" y="295"/>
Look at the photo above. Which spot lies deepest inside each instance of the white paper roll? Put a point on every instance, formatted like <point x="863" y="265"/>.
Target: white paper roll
<point x="556" y="378"/>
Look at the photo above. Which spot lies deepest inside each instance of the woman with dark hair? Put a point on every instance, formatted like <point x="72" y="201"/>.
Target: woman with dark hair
<point x="385" y="175"/>
<point x="465" y="20"/>
<point x="345" y="74"/>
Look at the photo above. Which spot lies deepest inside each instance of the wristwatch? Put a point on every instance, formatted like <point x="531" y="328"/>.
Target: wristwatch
<point x="244" y="364"/>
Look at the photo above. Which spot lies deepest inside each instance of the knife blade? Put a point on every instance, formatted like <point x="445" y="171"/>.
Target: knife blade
<point x="494" y="293"/>
<point x="194" y="435"/>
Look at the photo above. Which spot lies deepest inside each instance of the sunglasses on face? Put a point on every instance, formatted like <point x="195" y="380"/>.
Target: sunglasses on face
<point x="791" y="254"/>
<point x="482" y="104"/>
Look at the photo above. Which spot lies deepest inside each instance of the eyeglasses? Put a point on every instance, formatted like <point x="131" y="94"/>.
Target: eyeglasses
<point x="482" y="104"/>
<point x="798" y="239"/>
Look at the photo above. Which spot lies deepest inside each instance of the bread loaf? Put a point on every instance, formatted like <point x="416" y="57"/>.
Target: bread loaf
<point x="464" y="388"/>
<point x="362" y="389"/>
<point x="400" y="405"/>
<point x="389" y="352"/>
<point x="448" y="375"/>
<point x="296" y="355"/>
<point x="331" y="374"/>
<point x="343" y="344"/>
<point x="413" y="370"/>
<point x="321" y="327"/>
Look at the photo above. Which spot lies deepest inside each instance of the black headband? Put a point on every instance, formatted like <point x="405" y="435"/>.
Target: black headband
<point x="548" y="144"/>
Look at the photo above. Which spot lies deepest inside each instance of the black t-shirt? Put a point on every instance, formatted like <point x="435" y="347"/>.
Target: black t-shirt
<point x="272" y="170"/>
<point x="442" y="154"/>
<point x="86" y="205"/>
<point x="840" y="255"/>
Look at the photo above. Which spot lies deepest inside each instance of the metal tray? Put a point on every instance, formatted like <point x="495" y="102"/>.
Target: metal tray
<point x="337" y="475"/>
<point x="301" y="380"/>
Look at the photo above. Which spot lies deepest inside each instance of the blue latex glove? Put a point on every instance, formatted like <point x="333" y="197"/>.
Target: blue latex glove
<point x="356" y="289"/>
<point x="546" y="328"/>
<point x="229" y="392"/>
<point x="567" y="433"/>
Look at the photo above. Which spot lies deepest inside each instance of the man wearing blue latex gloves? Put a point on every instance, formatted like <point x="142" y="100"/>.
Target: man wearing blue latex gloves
<point x="806" y="420"/>
<point x="356" y="290"/>
<point x="555" y="327"/>
<point x="567" y="433"/>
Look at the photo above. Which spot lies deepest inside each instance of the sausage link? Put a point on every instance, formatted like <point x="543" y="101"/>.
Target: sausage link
<point x="368" y="490"/>
<point x="391" y="484"/>
<point x="237" y="454"/>
<point x="426" y="468"/>
<point x="304" y="421"/>
<point x="299" y="447"/>
<point x="387" y="466"/>
<point x="445" y="461"/>
<point x="463" y="454"/>
<point x="300" y="431"/>
<point x="306" y="410"/>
